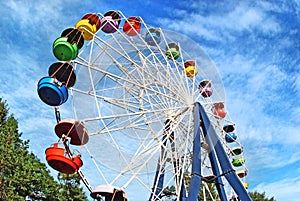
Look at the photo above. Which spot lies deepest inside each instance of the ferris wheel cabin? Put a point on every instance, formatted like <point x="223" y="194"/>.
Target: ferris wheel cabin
<point x="218" y="110"/>
<point x="237" y="150"/>
<point x="172" y="51"/>
<point x="89" y="25"/>
<point x="110" y="22"/>
<point x="65" y="48"/>
<point x="73" y="129"/>
<point x="205" y="88"/>
<point x="153" y="36"/>
<point x="58" y="159"/>
<point x="132" y="26"/>
<point x="190" y="68"/>
<point x="109" y="193"/>
<point x="53" y="90"/>
<point x="63" y="72"/>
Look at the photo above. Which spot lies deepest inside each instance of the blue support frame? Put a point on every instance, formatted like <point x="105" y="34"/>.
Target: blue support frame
<point x="196" y="165"/>
<point x="217" y="156"/>
<point x="215" y="168"/>
<point x="222" y="157"/>
<point x="182" y="188"/>
<point x="159" y="175"/>
<point x="159" y="178"/>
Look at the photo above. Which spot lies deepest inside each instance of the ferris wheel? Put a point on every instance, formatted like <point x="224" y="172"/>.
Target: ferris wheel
<point x="148" y="113"/>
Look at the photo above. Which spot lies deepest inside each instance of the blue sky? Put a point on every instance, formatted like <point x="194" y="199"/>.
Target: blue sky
<point x="254" y="44"/>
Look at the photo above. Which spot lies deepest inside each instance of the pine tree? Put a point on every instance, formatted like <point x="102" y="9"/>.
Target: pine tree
<point x="210" y="190"/>
<point x="22" y="173"/>
<point x="70" y="187"/>
<point x="256" y="196"/>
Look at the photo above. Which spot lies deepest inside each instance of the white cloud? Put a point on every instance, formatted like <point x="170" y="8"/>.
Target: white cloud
<point x="297" y="83"/>
<point x="243" y="18"/>
<point x="295" y="115"/>
<point x="40" y="22"/>
<point x="271" y="141"/>
<point x="220" y="25"/>
<point x="287" y="189"/>
<point x="262" y="157"/>
<point x="194" y="24"/>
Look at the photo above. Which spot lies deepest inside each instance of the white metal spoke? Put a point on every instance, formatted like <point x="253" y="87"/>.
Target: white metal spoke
<point x="137" y="104"/>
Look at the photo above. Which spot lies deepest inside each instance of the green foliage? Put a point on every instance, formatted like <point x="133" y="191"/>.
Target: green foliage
<point x="70" y="187"/>
<point x="207" y="191"/>
<point x="21" y="173"/>
<point x="211" y="193"/>
<point x="256" y="196"/>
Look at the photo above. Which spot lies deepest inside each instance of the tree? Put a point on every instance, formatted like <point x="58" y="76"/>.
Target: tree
<point x="210" y="192"/>
<point x="256" y="196"/>
<point x="21" y="173"/>
<point x="207" y="191"/>
<point x="70" y="187"/>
